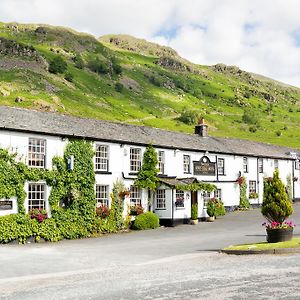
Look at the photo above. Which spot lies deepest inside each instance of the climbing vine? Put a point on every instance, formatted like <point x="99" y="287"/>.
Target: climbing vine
<point x="244" y="201"/>
<point x="196" y="187"/>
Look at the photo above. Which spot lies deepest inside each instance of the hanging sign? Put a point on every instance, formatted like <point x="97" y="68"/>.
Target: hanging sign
<point x="204" y="167"/>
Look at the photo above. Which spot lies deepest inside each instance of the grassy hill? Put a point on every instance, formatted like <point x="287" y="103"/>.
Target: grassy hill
<point x="122" y="78"/>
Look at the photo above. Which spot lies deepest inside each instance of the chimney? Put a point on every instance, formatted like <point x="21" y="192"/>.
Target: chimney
<point x="201" y="128"/>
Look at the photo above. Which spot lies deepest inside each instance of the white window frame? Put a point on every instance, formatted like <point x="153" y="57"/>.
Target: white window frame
<point x="218" y="194"/>
<point x="297" y="164"/>
<point x="252" y="186"/>
<point x="102" y="194"/>
<point x="102" y="158"/>
<point x="260" y="165"/>
<point x="276" y="163"/>
<point x="186" y="164"/>
<point x="221" y="166"/>
<point x="245" y="165"/>
<point x="37" y="153"/>
<point x="161" y="161"/>
<point x="206" y="197"/>
<point x="161" y="199"/>
<point x="135" y="196"/>
<point x="180" y="197"/>
<point x="36" y="195"/>
<point x="135" y="159"/>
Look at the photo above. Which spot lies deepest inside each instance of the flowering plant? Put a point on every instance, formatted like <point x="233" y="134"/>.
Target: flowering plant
<point x="277" y="225"/>
<point x="240" y="180"/>
<point x="136" y="210"/>
<point x="253" y="195"/>
<point x="39" y="214"/>
<point x="102" y="211"/>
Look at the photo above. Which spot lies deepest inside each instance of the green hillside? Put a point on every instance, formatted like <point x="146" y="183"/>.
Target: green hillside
<point x="122" y="78"/>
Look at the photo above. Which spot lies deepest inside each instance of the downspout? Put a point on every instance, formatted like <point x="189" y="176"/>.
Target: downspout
<point x="292" y="179"/>
<point x="257" y="173"/>
<point x="172" y="215"/>
<point x="217" y="168"/>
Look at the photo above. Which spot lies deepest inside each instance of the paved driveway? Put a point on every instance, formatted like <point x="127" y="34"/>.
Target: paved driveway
<point x="154" y="264"/>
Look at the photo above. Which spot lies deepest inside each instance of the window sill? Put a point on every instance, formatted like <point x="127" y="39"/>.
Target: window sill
<point x="221" y="174"/>
<point x="180" y="208"/>
<point x="103" y="172"/>
<point x="133" y="173"/>
<point x="160" y="209"/>
<point x="187" y="173"/>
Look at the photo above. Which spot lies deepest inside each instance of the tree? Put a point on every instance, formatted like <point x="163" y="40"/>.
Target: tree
<point x="276" y="206"/>
<point x="57" y="65"/>
<point x="188" y="117"/>
<point x="147" y="176"/>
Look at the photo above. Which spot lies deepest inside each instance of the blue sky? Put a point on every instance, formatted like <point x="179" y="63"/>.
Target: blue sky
<point x="261" y="36"/>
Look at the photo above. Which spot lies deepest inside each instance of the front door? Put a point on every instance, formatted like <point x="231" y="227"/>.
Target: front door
<point x="194" y="199"/>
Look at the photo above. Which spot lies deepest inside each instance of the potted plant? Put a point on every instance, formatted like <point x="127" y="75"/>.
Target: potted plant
<point x="276" y="208"/>
<point x="194" y="214"/>
<point x="211" y="210"/>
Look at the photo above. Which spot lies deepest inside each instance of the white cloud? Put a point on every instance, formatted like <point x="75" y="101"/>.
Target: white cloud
<point x="253" y="34"/>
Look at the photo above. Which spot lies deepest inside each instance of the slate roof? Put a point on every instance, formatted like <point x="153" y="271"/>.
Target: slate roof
<point x="68" y="126"/>
<point x="171" y="181"/>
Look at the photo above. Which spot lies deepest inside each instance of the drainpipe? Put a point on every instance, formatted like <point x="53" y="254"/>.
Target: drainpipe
<point x="293" y="175"/>
<point x="172" y="207"/>
<point x="257" y="172"/>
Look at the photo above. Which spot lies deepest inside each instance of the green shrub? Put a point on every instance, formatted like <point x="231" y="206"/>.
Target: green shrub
<point x="69" y="77"/>
<point x="57" y="65"/>
<point x="98" y="66"/>
<point x="188" y="117"/>
<point x="219" y="207"/>
<point x="119" y="87"/>
<point x="78" y="61"/>
<point x="250" y="117"/>
<point x="211" y="208"/>
<point x="276" y="206"/>
<point x="147" y="220"/>
<point x="194" y="212"/>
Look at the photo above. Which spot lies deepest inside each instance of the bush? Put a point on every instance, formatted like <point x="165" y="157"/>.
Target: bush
<point x="119" y="87"/>
<point x="57" y="65"/>
<point x="250" y="117"/>
<point x="194" y="213"/>
<point x="211" y="208"/>
<point x="188" y="117"/>
<point x="276" y="206"/>
<point x="219" y="207"/>
<point x="69" y="77"/>
<point x="98" y="66"/>
<point x="147" y="220"/>
<point x="78" y="61"/>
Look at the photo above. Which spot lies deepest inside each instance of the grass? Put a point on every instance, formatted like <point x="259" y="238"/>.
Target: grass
<point x="217" y="97"/>
<point x="294" y="243"/>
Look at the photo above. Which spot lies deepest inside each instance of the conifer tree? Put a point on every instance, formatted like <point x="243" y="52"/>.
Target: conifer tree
<point x="276" y="205"/>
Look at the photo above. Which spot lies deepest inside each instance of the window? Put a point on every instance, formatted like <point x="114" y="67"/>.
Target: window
<point x="245" y="164"/>
<point x="297" y="164"/>
<point x="36" y="153"/>
<point x="221" y="166"/>
<point x="179" y="203"/>
<point x="161" y="199"/>
<point x="260" y="165"/>
<point x="218" y="194"/>
<point x="206" y="198"/>
<point x="102" y="194"/>
<point x="276" y="163"/>
<point x="252" y="186"/>
<point x="135" y="159"/>
<point x="36" y="196"/>
<point x="186" y="164"/>
<point x="161" y="161"/>
<point x="135" y="196"/>
<point x="101" y="158"/>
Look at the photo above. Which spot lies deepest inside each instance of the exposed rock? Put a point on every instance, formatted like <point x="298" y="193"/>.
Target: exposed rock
<point x="169" y="84"/>
<point x="19" y="99"/>
<point x="4" y="92"/>
<point x="129" y="83"/>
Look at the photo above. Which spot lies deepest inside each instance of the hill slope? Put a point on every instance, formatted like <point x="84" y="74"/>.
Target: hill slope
<point x="127" y="79"/>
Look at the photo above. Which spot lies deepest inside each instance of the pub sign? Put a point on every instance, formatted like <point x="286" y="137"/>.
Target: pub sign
<point x="204" y="167"/>
<point x="6" y="205"/>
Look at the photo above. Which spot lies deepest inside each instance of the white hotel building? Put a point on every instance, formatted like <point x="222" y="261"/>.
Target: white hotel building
<point x="38" y="136"/>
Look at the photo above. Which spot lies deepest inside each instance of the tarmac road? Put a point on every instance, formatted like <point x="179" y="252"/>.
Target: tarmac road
<point x="167" y="263"/>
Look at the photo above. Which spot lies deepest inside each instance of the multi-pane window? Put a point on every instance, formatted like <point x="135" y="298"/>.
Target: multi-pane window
<point x="218" y="194"/>
<point x="221" y="166"/>
<point x="186" y="164"/>
<point x="102" y="194"/>
<point x="245" y="164"/>
<point x="297" y="164"/>
<point x="101" y="158"/>
<point x="179" y="203"/>
<point x="206" y="197"/>
<point x="161" y="199"/>
<point x="135" y="196"/>
<point x="252" y="186"/>
<point x="276" y="163"/>
<point x="135" y="159"/>
<point x="260" y="165"/>
<point x="36" y="153"/>
<point x="36" y="196"/>
<point x="161" y="161"/>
